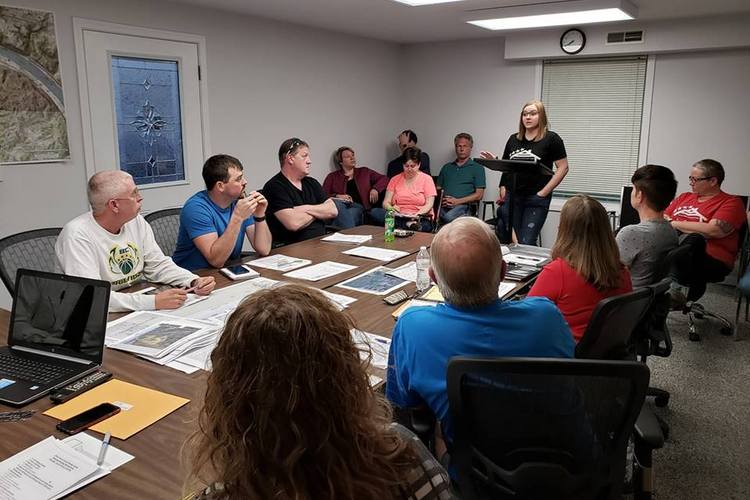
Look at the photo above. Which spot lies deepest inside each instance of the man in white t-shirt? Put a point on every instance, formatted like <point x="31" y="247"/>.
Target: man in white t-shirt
<point x="113" y="242"/>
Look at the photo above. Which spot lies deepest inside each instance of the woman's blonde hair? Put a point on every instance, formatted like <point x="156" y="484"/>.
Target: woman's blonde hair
<point x="585" y="241"/>
<point x="543" y="123"/>
<point x="289" y="412"/>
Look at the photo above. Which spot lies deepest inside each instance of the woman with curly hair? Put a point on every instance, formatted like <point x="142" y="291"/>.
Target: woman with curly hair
<point x="586" y="265"/>
<point x="289" y="412"/>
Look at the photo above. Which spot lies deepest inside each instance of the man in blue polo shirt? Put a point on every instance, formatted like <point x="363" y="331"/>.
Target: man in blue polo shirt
<point x="213" y="221"/>
<point x="467" y="266"/>
<point x="462" y="180"/>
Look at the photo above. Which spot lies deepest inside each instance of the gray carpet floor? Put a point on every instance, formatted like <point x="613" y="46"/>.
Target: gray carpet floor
<point x="707" y="455"/>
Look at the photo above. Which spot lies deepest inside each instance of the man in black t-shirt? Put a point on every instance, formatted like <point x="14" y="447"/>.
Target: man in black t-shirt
<point x="407" y="139"/>
<point x="298" y="208"/>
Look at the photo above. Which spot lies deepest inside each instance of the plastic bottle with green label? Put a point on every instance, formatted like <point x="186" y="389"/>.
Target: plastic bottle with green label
<point x="390" y="223"/>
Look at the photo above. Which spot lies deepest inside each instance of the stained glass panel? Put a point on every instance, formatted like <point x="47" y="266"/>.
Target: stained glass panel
<point x="149" y="125"/>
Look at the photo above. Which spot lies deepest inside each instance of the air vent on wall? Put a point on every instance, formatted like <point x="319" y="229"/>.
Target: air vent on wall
<point x="625" y="37"/>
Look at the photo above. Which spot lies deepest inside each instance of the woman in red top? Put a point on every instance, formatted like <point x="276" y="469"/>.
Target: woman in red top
<point x="586" y="265"/>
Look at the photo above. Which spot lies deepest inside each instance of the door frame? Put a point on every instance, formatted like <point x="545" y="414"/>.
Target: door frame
<point x="80" y="25"/>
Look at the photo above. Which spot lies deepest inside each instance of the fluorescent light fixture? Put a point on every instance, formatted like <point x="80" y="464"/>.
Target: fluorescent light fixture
<point x="417" y="3"/>
<point x="565" y="14"/>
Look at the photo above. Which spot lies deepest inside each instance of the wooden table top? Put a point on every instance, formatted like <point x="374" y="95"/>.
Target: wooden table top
<point x="156" y="471"/>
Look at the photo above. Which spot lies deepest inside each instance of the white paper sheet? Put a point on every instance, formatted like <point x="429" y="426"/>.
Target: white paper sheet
<point x="375" y="253"/>
<point x="371" y="343"/>
<point x="320" y="271"/>
<point x="505" y="288"/>
<point x="408" y="271"/>
<point x="279" y="262"/>
<point x="356" y="239"/>
<point x="341" y="301"/>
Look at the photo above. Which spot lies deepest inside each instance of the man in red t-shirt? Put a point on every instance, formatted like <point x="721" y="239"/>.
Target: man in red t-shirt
<point x="709" y="220"/>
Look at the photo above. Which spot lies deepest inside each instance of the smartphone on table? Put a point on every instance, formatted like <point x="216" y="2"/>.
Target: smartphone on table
<point x="239" y="272"/>
<point x="88" y="418"/>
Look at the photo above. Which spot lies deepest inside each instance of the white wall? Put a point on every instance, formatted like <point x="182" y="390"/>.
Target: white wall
<point x="267" y="81"/>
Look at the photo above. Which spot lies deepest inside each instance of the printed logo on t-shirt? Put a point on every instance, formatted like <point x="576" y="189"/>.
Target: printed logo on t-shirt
<point x="689" y="213"/>
<point x="122" y="260"/>
<point x="523" y="154"/>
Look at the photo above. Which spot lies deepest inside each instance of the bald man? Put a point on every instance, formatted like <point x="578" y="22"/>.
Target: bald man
<point x="467" y="266"/>
<point x="113" y="242"/>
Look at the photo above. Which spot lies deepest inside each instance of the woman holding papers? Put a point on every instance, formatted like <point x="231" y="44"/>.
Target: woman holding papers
<point x="586" y="265"/>
<point x="533" y="141"/>
<point x="411" y="193"/>
<point x="289" y="411"/>
<point x="355" y="190"/>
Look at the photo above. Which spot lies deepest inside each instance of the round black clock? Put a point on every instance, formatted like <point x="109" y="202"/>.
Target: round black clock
<point x="572" y="41"/>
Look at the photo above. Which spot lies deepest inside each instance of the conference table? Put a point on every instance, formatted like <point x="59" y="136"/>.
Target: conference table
<point x="157" y="470"/>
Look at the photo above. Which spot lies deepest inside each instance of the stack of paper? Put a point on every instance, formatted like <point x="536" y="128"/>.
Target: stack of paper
<point x="382" y="254"/>
<point x="373" y="345"/>
<point x="279" y="262"/>
<point x="53" y="469"/>
<point x="356" y="239"/>
<point x="320" y="271"/>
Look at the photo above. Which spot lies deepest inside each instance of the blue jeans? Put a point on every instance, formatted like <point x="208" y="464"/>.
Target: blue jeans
<point x="377" y="215"/>
<point x="350" y="214"/>
<point x="529" y="214"/>
<point x="451" y="214"/>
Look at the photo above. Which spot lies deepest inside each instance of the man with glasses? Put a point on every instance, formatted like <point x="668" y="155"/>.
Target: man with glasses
<point x="709" y="220"/>
<point x="298" y="208"/>
<point x="113" y="242"/>
<point x="213" y="221"/>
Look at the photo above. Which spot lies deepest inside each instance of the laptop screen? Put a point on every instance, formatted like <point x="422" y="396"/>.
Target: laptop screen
<point x="60" y="314"/>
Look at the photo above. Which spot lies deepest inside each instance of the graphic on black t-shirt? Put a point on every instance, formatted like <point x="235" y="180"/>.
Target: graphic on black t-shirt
<point x="523" y="154"/>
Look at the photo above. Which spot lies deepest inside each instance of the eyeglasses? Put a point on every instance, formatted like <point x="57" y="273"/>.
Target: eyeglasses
<point x="136" y="195"/>
<point x="295" y="144"/>
<point x="693" y="180"/>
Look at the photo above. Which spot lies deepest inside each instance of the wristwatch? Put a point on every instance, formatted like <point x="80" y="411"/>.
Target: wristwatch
<point x="259" y="219"/>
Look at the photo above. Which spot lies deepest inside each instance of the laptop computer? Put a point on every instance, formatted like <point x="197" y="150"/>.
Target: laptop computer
<point x="56" y="334"/>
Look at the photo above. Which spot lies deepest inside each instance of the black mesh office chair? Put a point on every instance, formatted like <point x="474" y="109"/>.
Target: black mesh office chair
<point x="533" y="428"/>
<point x="166" y="226"/>
<point x="33" y="249"/>
<point x="609" y="332"/>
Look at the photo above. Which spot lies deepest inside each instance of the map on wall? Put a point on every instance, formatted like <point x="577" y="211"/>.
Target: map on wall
<point x="32" y="113"/>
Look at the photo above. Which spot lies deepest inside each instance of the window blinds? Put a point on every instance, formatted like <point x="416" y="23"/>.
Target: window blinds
<point x="596" y="107"/>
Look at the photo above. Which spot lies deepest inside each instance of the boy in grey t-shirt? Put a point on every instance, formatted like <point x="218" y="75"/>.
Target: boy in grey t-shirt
<point x="643" y="246"/>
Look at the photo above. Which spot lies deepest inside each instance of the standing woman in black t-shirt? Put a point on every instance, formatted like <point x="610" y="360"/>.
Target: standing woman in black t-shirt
<point x="533" y="191"/>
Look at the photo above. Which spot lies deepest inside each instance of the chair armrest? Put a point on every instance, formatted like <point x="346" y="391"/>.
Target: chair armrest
<point x="648" y="430"/>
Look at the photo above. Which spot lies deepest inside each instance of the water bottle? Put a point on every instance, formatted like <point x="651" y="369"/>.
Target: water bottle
<point x="423" y="264"/>
<point x="390" y="223"/>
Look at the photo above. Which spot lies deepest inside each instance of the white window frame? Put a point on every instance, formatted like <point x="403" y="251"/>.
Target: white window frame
<point x="79" y="26"/>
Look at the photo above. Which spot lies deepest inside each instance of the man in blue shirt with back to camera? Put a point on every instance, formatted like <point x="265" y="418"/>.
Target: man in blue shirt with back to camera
<point x="467" y="266"/>
<point x="213" y="221"/>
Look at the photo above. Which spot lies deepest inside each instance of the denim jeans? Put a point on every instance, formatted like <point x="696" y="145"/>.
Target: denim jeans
<point x="697" y="268"/>
<point x="450" y="214"/>
<point x="350" y="214"/>
<point x="529" y="214"/>
<point x="377" y="216"/>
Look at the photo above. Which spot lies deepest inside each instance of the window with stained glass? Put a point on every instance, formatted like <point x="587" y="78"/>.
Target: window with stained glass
<point x="148" y="118"/>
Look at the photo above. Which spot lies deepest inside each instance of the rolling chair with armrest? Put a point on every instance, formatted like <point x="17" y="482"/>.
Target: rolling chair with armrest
<point x="33" y="249"/>
<point x="166" y="226"/>
<point x="534" y="428"/>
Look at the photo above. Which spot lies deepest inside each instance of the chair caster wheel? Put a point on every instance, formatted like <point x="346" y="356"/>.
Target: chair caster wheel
<point x="661" y="401"/>
<point x="726" y="331"/>
<point x="693" y="335"/>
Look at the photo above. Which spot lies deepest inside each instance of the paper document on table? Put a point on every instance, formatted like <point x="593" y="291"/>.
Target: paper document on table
<point x="141" y="407"/>
<point x="525" y="260"/>
<point x="222" y="302"/>
<point x="375" y="281"/>
<point x="433" y="294"/>
<point x="320" y="271"/>
<point x="44" y="471"/>
<point x="166" y="336"/>
<point x="408" y="271"/>
<point x="89" y="446"/>
<point x="369" y="343"/>
<point x="279" y="262"/>
<point x="341" y="301"/>
<point x="505" y="288"/>
<point x="375" y="253"/>
<point x="124" y="327"/>
<point x="412" y="303"/>
<point x="356" y="239"/>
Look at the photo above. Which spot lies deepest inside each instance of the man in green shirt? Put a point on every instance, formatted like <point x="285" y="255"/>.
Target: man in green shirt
<point x="461" y="180"/>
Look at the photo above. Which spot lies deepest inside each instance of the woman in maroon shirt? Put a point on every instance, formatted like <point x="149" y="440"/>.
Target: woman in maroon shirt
<point x="586" y="265"/>
<point x="355" y="190"/>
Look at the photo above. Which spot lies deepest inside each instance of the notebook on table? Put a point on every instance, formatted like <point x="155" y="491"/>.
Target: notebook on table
<point x="56" y="334"/>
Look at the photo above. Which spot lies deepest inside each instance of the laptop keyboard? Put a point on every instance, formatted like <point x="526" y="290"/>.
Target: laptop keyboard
<point x="28" y="369"/>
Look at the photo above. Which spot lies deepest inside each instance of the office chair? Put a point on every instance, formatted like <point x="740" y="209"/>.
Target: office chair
<point x="534" y="428"/>
<point x="437" y="206"/>
<point x="744" y="262"/>
<point x="33" y="249"/>
<point x="166" y="226"/>
<point x="609" y="332"/>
